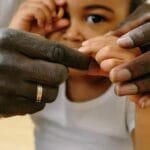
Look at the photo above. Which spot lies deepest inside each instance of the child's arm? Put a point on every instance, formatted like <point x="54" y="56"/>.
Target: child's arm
<point x="39" y="16"/>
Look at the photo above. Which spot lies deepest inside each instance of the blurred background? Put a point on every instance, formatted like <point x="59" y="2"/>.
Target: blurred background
<point x="16" y="133"/>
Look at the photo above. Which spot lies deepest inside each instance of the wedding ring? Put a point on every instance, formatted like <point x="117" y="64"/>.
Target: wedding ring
<point x="39" y="93"/>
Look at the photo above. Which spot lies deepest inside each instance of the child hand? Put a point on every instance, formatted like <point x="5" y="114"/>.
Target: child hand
<point x="40" y="16"/>
<point x="107" y="54"/>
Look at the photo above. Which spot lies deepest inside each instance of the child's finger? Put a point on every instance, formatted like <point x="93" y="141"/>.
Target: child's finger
<point x="57" y="25"/>
<point x="93" y="45"/>
<point x="109" y="52"/>
<point x="108" y="64"/>
<point x="62" y="23"/>
<point x="30" y="12"/>
<point x="38" y="14"/>
<point x="49" y="3"/>
<point x="46" y="11"/>
<point x="60" y="2"/>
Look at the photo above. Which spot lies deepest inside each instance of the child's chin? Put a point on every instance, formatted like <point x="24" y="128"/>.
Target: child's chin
<point x="77" y="73"/>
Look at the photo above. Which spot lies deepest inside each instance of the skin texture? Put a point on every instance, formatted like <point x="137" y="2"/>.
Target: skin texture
<point x="24" y="67"/>
<point x="140" y="16"/>
<point x="135" y="32"/>
<point x="79" y="27"/>
<point x="136" y="71"/>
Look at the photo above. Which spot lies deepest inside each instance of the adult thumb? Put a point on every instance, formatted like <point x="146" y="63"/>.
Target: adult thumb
<point x="135" y="38"/>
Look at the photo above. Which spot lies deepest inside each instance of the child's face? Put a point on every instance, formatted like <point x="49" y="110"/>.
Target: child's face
<point x="90" y="18"/>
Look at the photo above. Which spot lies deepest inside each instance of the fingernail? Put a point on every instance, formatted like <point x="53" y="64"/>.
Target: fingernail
<point x="127" y="89"/>
<point x="81" y="49"/>
<point x="84" y="43"/>
<point x="121" y="75"/>
<point x="125" y="41"/>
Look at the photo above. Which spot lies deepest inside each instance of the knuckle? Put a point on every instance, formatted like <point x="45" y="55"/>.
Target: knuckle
<point x="50" y="95"/>
<point x="9" y="65"/>
<point x="60" y="74"/>
<point x="57" y="53"/>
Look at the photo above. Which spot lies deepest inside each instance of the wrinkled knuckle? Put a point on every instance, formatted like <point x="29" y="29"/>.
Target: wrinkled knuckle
<point x="56" y="54"/>
<point x="9" y="65"/>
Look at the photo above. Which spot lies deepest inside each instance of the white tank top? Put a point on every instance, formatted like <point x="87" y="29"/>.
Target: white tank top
<point x="103" y="123"/>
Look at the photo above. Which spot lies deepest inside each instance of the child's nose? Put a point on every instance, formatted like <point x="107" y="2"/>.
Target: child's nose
<point x="73" y="33"/>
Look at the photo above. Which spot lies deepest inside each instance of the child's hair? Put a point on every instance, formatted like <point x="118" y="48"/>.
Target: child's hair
<point x="134" y="4"/>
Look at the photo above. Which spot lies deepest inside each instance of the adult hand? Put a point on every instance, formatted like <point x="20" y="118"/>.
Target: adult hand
<point x="135" y="75"/>
<point x="28" y="60"/>
<point x="138" y="37"/>
<point x="140" y="16"/>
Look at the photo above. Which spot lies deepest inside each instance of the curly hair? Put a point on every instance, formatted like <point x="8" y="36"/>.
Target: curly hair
<point x="134" y="4"/>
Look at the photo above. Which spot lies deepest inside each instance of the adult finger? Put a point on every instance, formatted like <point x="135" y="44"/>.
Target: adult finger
<point x="139" y="86"/>
<point x="38" y="47"/>
<point x="44" y="72"/>
<point x="140" y="16"/>
<point x="137" y="68"/>
<point x="137" y="37"/>
<point x="28" y="69"/>
<point x="27" y="90"/>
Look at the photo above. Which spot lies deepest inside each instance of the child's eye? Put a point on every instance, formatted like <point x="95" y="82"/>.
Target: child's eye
<point x="95" y="19"/>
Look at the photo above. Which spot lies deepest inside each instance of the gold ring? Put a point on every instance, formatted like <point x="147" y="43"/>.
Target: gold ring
<point x="39" y="93"/>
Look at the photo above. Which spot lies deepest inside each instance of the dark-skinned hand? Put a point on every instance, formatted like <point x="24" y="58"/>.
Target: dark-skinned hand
<point x="134" y="77"/>
<point x="28" y="60"/>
